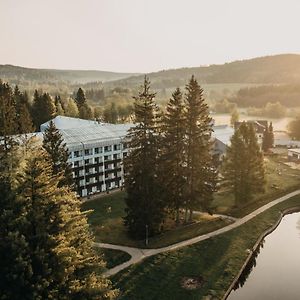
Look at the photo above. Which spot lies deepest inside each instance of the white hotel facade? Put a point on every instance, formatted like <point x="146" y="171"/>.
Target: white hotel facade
<point x="96" y="151"/>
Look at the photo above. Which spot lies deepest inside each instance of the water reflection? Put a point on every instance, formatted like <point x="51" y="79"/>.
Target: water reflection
<point x="249" y="267"/>
<point x="273" y="271"/>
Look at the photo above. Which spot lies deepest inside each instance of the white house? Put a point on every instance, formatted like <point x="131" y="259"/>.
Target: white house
<point x="294" y="155"/>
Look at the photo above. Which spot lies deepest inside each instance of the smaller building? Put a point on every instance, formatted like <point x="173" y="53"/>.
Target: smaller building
<point x="259" y="125"/>
<point x="294" y="155"/>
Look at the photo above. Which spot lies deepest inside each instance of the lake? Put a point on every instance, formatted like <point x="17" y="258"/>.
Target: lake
<point x="278" y="124"/>
<point x="274" y="271"/>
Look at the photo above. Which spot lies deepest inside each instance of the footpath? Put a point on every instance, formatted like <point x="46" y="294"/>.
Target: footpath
<point x="138" y="254"/>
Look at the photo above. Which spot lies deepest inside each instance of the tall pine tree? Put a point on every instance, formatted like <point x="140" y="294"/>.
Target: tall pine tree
<point x="145" y="208"/>
<point x="243" y="167"/>
<point x="201" y="172"/>
<point x="173" y="159"/>
<point x="54" y="144"/>
<point x="56" y="259"/>
<point x="43" y="109"/>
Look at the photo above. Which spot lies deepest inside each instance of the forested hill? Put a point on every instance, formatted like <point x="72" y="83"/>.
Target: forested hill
<point x="284" y="68"/>
<point x="19" y="75"/>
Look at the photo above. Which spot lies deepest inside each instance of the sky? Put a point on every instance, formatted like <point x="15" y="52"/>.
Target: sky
<point x="144" y="35"/>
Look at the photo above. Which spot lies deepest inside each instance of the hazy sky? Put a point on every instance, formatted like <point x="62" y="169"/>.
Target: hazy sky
<point x="144" y="35"/>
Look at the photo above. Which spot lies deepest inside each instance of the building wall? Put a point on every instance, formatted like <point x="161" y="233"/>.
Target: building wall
<point x="97" y="167"/>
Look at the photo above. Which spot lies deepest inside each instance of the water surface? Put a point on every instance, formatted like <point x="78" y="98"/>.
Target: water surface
<point x="275" y="272"/>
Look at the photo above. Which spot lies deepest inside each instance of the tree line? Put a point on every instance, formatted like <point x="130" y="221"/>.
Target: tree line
<point x="171" y="167"/>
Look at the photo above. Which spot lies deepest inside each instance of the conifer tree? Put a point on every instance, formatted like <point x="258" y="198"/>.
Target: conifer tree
<point x="201" y="172"/>
<point x="24" y="119"/>
<point x="80" y="98"/>
<point x="268" y="138"/>
<point x="145" y="208"/>
<point x="59" y="111"/>
<point x="54" y="144"/>
<point x="58" y="248"/>
<point x="173" y="153"/>
<point x="85" y="112"/>
<point x="271" y="132"/>
<point x="243" y="167"/>
<point x="71" y="109"/>
<point x="43" y="109"/>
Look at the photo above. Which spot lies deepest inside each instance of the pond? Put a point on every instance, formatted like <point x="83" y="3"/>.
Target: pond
<point x="278" y="124"/>
<point x="274" y="271"/>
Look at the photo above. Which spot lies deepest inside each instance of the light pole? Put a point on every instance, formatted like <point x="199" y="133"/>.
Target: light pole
<point x="147" y="235"/>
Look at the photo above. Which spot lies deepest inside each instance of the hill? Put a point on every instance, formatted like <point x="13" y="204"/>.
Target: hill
<point x="18" y="75"/>
<point x="277" y="69"/>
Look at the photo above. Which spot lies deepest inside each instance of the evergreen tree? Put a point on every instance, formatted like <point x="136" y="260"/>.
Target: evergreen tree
<point x="173" y="152"/>
<point x="80" y="98"/>
<point x="268" y="138"/>
<point x="201" y="171"/>
<point x="234" y="117"/>
<point x="243" y="167"/>
<point x="43" y="109"/>
<point x="54" y="144"/>
<point x="59" y="111"/>
<point x="71" y="109"/>
<point x="85" y="112"/>
<point x="25" y="124"/>
<point x="59" y="245"/>
<point x="145" y="208"/>
<point x="271" y="132"/>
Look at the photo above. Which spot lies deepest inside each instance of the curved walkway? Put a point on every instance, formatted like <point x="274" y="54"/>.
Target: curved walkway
<point x="138" y="254"/>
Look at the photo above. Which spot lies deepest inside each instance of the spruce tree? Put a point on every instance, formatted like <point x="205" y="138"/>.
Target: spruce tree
<point x="80" y="98"/>
<point x="268" y="138"/>
<point x="201" y="172"/>
<point x="243" y="168"/>
<point x="173" y="153"/>
<point x="145" y="208"/>
<point x="24" y="119"/>
<point x="54" y="144"/>
<point x="60" y="247"/>
<point x="71" y="109"/>
<point x="271" y="133"/>
<point x="43" y="109"/>
<point x="59" y="111"/>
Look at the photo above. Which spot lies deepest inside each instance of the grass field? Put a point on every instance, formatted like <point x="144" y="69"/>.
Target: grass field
<point x="113" y="257"/>
<point x="217" y="260"/>
<point x="107" y="224"/>
<point x="280" y="180"/>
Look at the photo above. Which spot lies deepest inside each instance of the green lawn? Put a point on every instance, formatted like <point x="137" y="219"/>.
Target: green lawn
<point x="107" y="224"/>
<point x="281" y="179"/>
<point x="217" y="260"/>
<point x="113" y="257"/>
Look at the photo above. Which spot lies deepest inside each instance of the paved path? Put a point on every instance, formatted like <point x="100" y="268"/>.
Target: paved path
<point x="138" y="254"/>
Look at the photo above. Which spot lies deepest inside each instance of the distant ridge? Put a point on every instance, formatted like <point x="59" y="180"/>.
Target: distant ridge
<point x="18" y="74"/>
<point x="276" y="69"/>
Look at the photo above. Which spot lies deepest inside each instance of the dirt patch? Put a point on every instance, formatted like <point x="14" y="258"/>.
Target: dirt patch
<point x="192" y="283"/>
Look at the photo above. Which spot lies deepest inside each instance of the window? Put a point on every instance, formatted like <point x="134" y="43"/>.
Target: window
<point x="96" y="160"/>
<point x="86" y="161"/>
<point x="107" y="148"/>
<point x="87" y="152"/>
<point x="76" y="164"/>
<point x="77" y="153"/>
<point x="117" y="147"/>
<point x="98" y="150"/>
